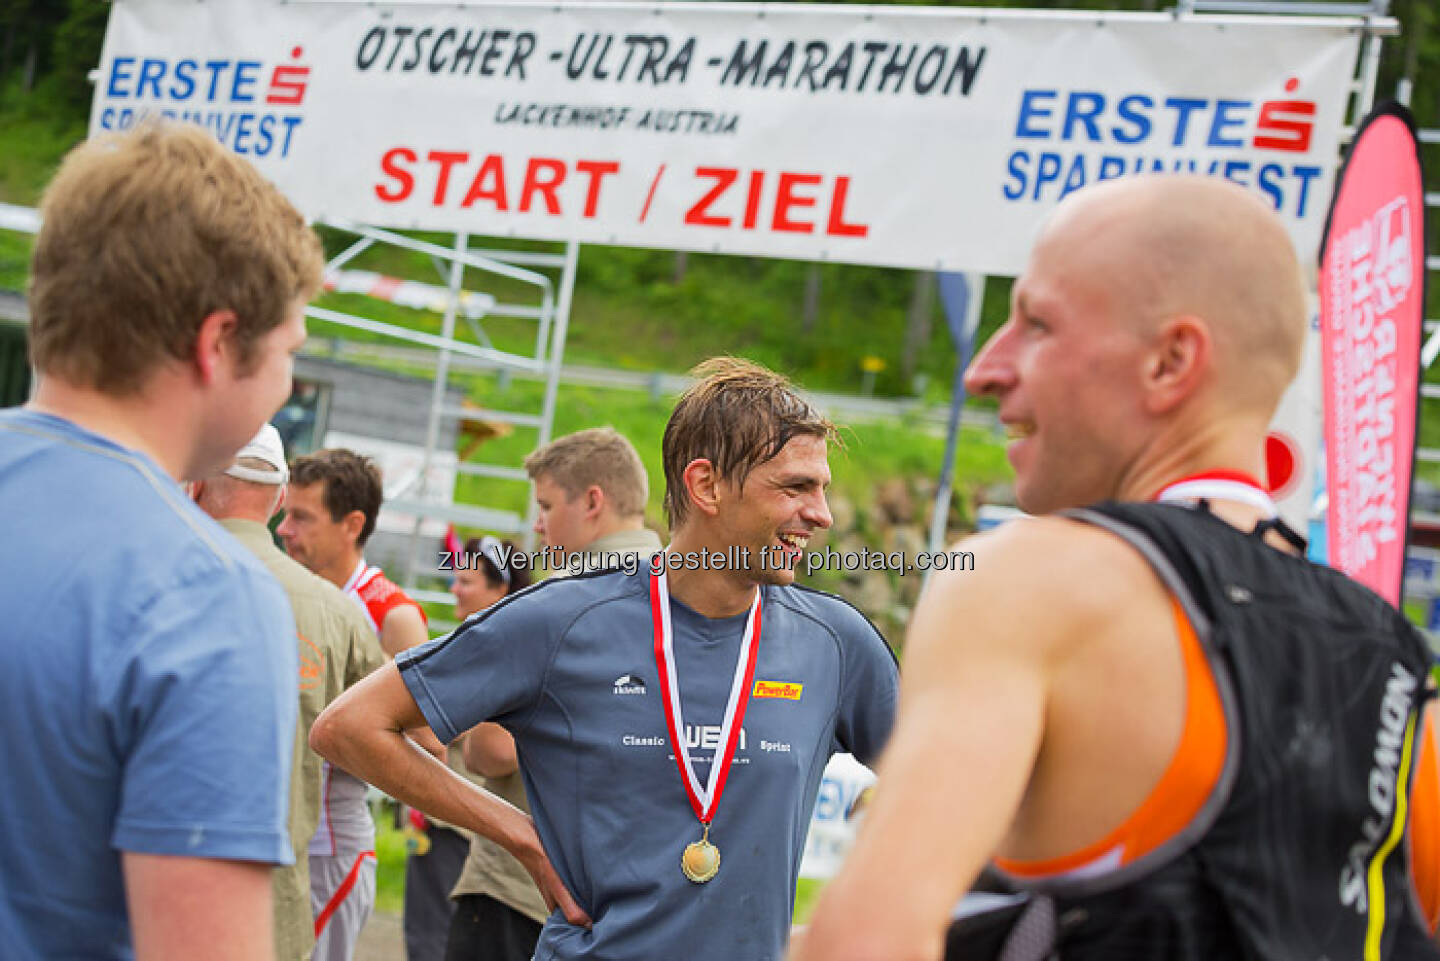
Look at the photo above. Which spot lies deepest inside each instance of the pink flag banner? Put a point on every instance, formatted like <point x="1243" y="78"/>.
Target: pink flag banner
<point x="1372" y="299"/>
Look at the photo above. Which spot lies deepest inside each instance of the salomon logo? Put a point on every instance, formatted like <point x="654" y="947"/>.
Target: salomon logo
<point x="1394" y="740"/>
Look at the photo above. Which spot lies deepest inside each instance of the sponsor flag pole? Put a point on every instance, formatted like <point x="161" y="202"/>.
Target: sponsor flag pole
<point x="1372" y="307"/>
<point x="961" y="294"/>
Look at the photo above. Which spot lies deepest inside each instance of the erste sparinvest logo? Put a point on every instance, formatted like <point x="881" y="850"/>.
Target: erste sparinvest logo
<point x="1068" y="138"/>
<point x="251" y="106"/>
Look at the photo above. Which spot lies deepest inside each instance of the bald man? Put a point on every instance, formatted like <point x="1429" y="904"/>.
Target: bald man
<point x="1166" y="734"/>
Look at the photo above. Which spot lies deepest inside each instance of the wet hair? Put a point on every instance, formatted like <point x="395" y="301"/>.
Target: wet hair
<point x="737" y="417"/>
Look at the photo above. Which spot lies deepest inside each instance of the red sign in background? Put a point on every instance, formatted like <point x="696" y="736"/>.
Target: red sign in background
<point x="1372" y="293"/>
<point x="1282" y="458"/>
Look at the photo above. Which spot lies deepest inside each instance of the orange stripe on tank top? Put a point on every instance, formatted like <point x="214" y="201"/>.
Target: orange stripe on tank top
<point x="1181" y="792"/>
<point x="1425" y="826"/>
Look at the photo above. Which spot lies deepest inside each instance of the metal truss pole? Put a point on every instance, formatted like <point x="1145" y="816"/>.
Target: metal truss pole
<point x="555" y="358"/>
<point x="437" y="396"/>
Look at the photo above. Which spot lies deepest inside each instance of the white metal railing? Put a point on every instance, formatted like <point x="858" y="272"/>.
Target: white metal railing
<point x="552" y="316"/>
<point x="25" y="220"/>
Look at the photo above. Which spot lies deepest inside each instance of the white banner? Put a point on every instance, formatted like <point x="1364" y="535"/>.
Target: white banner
<point x="915" y="137"/>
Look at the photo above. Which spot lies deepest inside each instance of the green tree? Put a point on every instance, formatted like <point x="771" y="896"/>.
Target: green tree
<point x="27" y="26"/>
<point x="75" y="51"/>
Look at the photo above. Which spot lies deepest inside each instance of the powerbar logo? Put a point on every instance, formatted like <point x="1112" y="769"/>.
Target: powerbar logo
<point x="790" y="692"/>
<point x="1391" y="754"/>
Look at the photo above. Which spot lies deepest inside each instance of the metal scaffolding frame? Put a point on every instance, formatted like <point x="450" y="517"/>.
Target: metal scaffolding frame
<point x="552" y="317"/>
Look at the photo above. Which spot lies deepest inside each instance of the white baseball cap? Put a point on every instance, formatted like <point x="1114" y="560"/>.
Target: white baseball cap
<point x="265" y="446"/>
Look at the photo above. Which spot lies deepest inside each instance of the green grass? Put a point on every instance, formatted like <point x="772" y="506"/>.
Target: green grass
<point x="807" y="892"/>
<point x="630" y="311"/>
<point x="14" y="259"/>
<point x="32" y="141"/>
<point x="390" y="861"/>
<point x="31" y="147"/>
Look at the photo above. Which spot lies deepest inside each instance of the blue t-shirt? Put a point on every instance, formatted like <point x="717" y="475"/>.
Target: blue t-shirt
<point x="147" y="687"/>
<point x="568" y="667"/>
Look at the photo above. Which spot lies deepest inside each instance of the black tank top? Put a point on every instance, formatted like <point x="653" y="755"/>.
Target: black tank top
<point x="1300" y="854"/>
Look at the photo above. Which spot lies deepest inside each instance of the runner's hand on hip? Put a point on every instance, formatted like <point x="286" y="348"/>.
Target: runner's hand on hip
<point x="534" y="859"/>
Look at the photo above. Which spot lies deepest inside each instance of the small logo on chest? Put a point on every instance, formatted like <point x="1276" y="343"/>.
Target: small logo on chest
<point x="781" y="689"/>
<point x="629" y="684"/>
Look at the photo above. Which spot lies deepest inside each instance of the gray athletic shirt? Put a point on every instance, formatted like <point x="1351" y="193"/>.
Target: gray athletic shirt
<point x="568" y="667"/>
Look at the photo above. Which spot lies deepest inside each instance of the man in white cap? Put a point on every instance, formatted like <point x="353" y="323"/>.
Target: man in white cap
<point x="336" y="647"/>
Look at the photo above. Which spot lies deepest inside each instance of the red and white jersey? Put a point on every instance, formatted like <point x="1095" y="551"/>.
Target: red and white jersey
<point x="376" y="594"/>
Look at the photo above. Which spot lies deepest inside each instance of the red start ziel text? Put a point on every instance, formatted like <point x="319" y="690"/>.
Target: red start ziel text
<point x="724" y="197"/>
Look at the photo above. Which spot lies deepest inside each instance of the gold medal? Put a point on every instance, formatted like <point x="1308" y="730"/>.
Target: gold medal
<point x="701" y="860"/>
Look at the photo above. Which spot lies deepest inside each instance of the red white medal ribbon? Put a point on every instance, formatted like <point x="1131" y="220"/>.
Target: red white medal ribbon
<point x="704" y="799"/>
<point x="1225" y="485"/>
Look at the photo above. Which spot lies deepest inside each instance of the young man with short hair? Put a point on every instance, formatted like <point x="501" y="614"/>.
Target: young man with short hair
<point x="672" y="725"/>
<point x="147" y="685"/>
<point x="333" y="503"/>
<point x="591" y="489"/>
